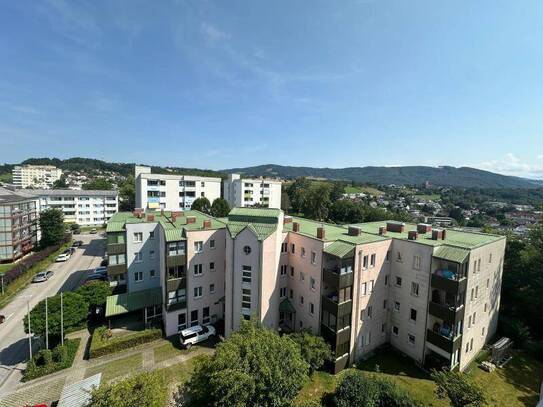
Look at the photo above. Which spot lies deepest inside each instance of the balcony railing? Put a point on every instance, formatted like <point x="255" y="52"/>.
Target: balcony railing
<point x="447" y="312"/>
<point x="336" y="279"/>
<point x="449" y="282"/>
<point x="335" y="307"/>
<point x="448" y="344"/>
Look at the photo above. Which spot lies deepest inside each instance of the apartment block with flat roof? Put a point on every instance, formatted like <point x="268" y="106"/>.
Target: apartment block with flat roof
<point x="172" y="192"/>
<point x="246" y="192"/>
<point x="18" y="225"/>
<point x="431" y="294"/>
<point x="35" y="176"/>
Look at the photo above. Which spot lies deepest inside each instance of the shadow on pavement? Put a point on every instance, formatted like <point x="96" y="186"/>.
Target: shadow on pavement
<point x="74" y="280"/>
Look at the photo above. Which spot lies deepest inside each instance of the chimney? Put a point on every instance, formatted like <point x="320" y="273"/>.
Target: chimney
<point x="412" y="235"/>
<point x="354" y="231"/>
<point x="150" y="218"/>
<point x="382" y="230"/>
<point x="437" y="234"/>
<point x="295" y="227"/>
<point x="206" y="224"/>
<point x="424" y="228"/>
<point x="174" y="216"/>
<point x="320" y="233"/>
<point x="444" y="234"/>
<point x="191" y="219"/>
<point x="162" y="212"/>
<point x="397" y="227"/>
<point x="287" y="219"/>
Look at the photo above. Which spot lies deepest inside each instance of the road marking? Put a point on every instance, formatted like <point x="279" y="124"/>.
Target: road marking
<point x="8" y="317"/>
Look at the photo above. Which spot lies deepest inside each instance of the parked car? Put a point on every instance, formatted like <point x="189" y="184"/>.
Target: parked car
<point x="100" y="270"/>
<point x="42" y="276"/>
<point x="76" y="232"/>
<point x="96" y="277"/>
<point x="77" y="243"/>
<point x="195" y="334"/>
<point x="93" y="231"/>
<point x="72" y="250"/>
<point x="63" y="256"/>
<point x="104" y="263"/>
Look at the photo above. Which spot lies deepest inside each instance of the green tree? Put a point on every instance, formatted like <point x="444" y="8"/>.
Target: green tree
<point x="254" y="366"/>
<point x="355" y="389"/>
<point x="52" y="227"/>
<point x="60" y="183"/>
<point x="297" y="193"/>
<point x="314" y="349"/>
<point x="458" y="388"/>
<point x="346" y="211"/>
<point x="95" y="292"/>
<point x="220" y="208"/>
<point x="317" y="203"/>
<point x="127" y="194"/>
<point x="201" y="204"/>
<point x="99" y="184"/>
<point x="148" y="389"/>
<point x="285" y="202"/>
<point x="337" y="191"/>
<point x="74" y="311"/>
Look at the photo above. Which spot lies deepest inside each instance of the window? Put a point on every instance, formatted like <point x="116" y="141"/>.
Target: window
<point x="194" y="318"/>
<point x="369" y="311"/>
<point x="387" y="257"/>
<point x="364" y="289"/>
<point x="386" y="280"/>
<point x="372" y="260"/>
<point x="313" y="258"/>
<point x="246" y="274"/>
<point x="292" y="248"/>
<point x="395" y="330"/>
<point x="151" y="254"/>
<point x="416" y="262"/>
<point x="483" y="331"/>
<point x="371" y="286"/>
<point x="311" y="308"/>
<point x="365" y="262"/>
<point x="291" y="271"/>
<point x="212" y="266"/>
<point x="198" y="270"/>
<point x="176" y="248"/>
<point x="247" y="250"/>
<point x="383" y="329"/>
<point x="486" y="306"/>
<point x="411" y="339"/>
<point x="312" y="283"/>
<point x="245" y="298"/>
<point x="152" y="273"/>
<point x="413" y="315"/>
<point x="476" y="291"/>
<point x="469" y="322"/>
<point x="291" y="294"/>
<point x="198" y="247"/>
<point x="283" y="292"/>
<point x="198" y="292"/>
<point x="138" y="257"/>
<point x="467" y="347"/>
<point x="284" y="247"/>
<point x="151" y="235"/>
<point x="211" y="288"/>
<point x="471" y="295"/>
<point x="474" y="315"/>
<point x="138" y="276"/>
<point x="284" y="269"/>
<point x="487" y="282"/>
<point x="301" y="300"/>
<point x="138" y="237"/>
<point x="181" y="322"/>
<point x="176" y="272"/>
<point x="302" y="252"/>
<point x="478" y="268"/>
<point x="176" y="296"/>
<point x="384" y="304"/>
<point x="115" y="259"/>
<point x="490" y="258"/>
<point x="205" y="316"/>
<point x="399" y="257"/>
<point x="212" y="244"/>
<point x="398" y="281"/>
<point x="471" y="344"/>
<point x="396" y="306"/>
<point x="415" y="289"/>
<point x="302" y="276"/>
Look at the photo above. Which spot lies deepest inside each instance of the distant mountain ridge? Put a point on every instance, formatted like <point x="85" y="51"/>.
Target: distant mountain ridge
<point x="463" y="177"/>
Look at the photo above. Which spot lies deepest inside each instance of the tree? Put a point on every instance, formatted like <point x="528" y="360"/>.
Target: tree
<point x="458" y="388"/>
<point x="254" y="366"/>
<point x="220" y="208"/>
<point x="95" y="292"/>
<point x="355" y="389"/>
<point x="317" y="202"/>
<point x="127" y="194"/>
<point x="98" y="184"/>
<point x="314" y="349"/>
<point x="74" y="311"/>
<point x="346" y="211"/>
<point x="201" y="204"/>
<point x="337" y="191"/>
<point x="60" y="183"/>
<point x="52" y="227"/>
<point x="148" y="389"/>
<point x="297" y="193"/>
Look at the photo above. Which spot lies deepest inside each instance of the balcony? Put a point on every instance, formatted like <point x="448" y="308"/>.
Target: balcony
<point x="335" y="279"/>
<point x="339" y="309"/>
<point x="448" y="281"/>
<point x="116" y="269"/>
<point x="116" y="248"/>
<point x="447" y="312"/>
<point x="176" y="305"/>
<point x="176" y="283"/>
<point x="446" y="343"/>
<point x="334" y="337"/>
<point x="176" y="260"/>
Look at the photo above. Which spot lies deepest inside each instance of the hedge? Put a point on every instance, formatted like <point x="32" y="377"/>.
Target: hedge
<point x="102" y="345"/>
<point x="46" y="361"/>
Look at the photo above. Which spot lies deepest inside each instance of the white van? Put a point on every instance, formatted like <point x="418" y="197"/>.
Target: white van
<point x="195" y="334"/>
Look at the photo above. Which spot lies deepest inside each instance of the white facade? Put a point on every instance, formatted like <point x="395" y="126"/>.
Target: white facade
<point x="241" y="192"/>
<point x="35" y="176"/>
<point x="172" y="192"/>
<point x="86" y="207"/>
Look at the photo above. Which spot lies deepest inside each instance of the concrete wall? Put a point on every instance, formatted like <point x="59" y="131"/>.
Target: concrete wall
<point x="147" y="264"/>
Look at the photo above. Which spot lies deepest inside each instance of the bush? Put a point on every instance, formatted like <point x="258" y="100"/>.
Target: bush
<point x="459" y="388"/>
<point x="102" y="344"/>
<point x="390" y="395"/>
<point x="314" y="349"/>
<point x="355" y="389"/>
<point x="46" y="361"/>
<point x="144" y="389"/>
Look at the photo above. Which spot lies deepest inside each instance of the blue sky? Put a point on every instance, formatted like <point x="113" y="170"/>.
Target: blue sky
<point x="235" y="83"/>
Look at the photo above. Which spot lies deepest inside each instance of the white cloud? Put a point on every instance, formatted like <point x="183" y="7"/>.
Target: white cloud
<point x="510" y="164"/>
<point x="211" y="33"/>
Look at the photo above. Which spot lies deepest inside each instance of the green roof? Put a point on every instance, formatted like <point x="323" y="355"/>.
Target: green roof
<point x="261" y="221"/>
<point x="340" y="249"/>
<point x="123" y="303"/>
<point x="451" y="253"/>
<point x="286" y="306"/>
<point x="455" y="237"/>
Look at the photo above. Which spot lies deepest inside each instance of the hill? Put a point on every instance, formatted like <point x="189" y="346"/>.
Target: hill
<point x="463" y="177"/>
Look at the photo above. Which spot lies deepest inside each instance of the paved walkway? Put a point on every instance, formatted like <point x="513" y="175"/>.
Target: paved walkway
<point x="48" y="388"/>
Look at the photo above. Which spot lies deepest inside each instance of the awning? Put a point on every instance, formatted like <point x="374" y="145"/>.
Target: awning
<point x="340" y="249"/>
<point x="286" y="306"/>
<point x="79" y="393"/>
<point x="123" y="303"/>
<point x="451" y="253"/>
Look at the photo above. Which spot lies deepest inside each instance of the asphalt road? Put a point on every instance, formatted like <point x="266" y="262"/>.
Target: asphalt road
<point x="69" y="275"/>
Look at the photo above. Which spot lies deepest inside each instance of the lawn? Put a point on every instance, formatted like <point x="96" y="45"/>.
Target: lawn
<point x="170" y="349"/>
<point x="349" y="189"/>
<point x="515" y="385"/>
<point x="116" y="368"/>
<point x="179" y="373"/>
<point x="433" y="197"/>
<point x="5" y="267"/>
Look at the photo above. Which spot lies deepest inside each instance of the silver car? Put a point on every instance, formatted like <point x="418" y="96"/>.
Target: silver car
<point x="42" y="276"/>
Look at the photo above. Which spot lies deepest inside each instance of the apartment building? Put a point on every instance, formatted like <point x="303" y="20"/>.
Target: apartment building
<point x="35" y="176"/>
<point x="18" y="225"/>
<point x="84" y="207"/>
<point x="244" y="192"/>
<point x="433" y="294"/>
<point x="172" y="192"/>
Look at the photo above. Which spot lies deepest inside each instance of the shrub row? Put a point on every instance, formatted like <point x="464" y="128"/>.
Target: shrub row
<point x="102" y="345"/>
<point x="46" y="361"/>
